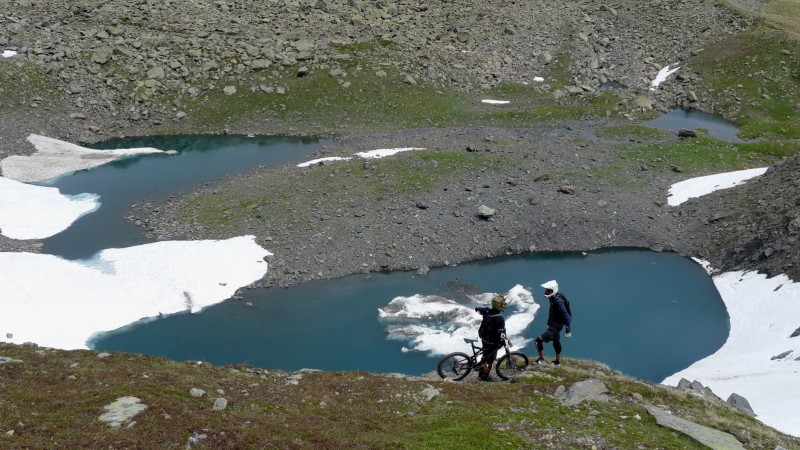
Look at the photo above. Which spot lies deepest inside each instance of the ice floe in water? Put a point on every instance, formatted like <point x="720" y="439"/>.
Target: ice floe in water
<point x="438" y="325"/>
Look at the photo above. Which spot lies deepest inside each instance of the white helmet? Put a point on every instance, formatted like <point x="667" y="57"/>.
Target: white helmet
<point x="551" y="285"/>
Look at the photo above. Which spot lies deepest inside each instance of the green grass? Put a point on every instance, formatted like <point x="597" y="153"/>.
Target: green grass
<point x="756" y="83"/>
<point x="401" y="176"/>
<point x="376" y="101"/>
<point x="699" y="155"/>
<point x="47" y="409"/>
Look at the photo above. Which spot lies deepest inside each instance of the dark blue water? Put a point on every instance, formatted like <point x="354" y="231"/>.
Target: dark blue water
<point x="647" y="314"/>
<point x="684" y="119"/>
<point x="122" y="183"/>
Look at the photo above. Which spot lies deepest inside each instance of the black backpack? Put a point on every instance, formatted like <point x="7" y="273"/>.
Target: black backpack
<point x="488" y="328"/>
<point x="566" y="305"/>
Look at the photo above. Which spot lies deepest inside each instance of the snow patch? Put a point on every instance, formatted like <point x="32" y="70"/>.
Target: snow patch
<point x="496" y="102"/>
<point x="764" y="312"/>
<point x="54" y="158"/>
<point x="384" y="152"/>
<point x="697" y="187"/>
<point x="58" y="303"/>
<point x="9" y="53"/>
<point x="662" y="76"/>
<point x="319" y="160"/>
<point x="36" y="212"/>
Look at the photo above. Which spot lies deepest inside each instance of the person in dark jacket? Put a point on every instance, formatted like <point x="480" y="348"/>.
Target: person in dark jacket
<point x="558" y="318"/>
<point x="492" y="333"/>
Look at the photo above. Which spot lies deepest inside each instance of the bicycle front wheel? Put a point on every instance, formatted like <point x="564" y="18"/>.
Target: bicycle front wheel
<point x="454" y="366"/>
<point x="511" y="365"/>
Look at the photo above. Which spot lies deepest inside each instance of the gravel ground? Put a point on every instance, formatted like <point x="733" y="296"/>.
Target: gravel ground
<point x="106" y="70"/>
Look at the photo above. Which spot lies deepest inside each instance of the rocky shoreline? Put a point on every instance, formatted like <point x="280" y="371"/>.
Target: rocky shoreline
<point x="103" y="70"/>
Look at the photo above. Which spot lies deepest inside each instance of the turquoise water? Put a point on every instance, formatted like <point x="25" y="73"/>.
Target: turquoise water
<point x="684" y="119"/>
<point x="647" y="314"/>
<point x="120" y="184"/>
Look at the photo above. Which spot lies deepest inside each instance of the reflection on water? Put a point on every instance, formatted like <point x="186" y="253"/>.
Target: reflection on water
<point x="684" y="119"/>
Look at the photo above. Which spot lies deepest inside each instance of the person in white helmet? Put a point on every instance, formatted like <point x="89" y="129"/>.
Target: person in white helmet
<point x="558" y="317"/>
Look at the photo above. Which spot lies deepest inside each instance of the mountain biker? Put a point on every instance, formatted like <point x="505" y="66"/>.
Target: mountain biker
<point x="492" y="333"/>
<point x="558" y="318"/>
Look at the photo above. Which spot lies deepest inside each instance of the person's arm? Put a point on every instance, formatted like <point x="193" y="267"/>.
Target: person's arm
<point x="482" y="310"/>
<point x="564" y="313"/>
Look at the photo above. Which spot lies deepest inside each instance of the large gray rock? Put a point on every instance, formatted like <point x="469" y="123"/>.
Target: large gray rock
<point x="122" y="411"/>
<point x="585" y="390"/>
<point x="715" y="439"/>
<point x="741" y="404"/>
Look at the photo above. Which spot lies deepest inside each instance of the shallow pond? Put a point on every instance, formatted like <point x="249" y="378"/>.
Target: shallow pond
<point x="120" y="184"/>
<point x="684" y="119"/>
<point x="645" y="313"/>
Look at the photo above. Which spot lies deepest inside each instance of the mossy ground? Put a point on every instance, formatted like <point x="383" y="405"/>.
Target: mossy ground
<point x="54" y="400"/>
<point x="755" y="77"/>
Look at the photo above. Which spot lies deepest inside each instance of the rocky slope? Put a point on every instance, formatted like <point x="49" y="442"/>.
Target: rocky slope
<point x="111" y="66"/>
<point x="755" y="226"/>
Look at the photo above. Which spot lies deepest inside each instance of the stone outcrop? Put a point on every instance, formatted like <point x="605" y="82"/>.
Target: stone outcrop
<point x="715" y="439"/>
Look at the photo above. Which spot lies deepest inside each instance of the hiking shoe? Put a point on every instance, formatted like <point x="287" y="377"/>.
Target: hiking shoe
<point x="487" y="379"/>
<point x="556" y="362"/>
<point x="540" y="361"/>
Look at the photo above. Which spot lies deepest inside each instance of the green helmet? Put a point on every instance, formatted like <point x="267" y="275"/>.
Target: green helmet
<point x="499" y="302"/>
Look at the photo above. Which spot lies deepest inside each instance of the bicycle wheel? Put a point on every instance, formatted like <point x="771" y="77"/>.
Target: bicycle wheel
<point x="511" y="365"/>
<point x="455" y="366"/>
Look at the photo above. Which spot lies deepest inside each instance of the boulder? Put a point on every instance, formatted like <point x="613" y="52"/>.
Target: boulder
<point x="585" y="390"/>
<point x="741" y="404"/>
<point x="122" y="411"/>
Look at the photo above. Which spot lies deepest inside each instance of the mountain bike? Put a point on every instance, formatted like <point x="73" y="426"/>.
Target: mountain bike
<point x="456" y="366"/>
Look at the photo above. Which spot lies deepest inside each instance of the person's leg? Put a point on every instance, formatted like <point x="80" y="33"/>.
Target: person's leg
<point x="557" y="348"/>
<point x="540" y="347"/>
<point x="489" y="354"/>
<point x="547" y="336"/>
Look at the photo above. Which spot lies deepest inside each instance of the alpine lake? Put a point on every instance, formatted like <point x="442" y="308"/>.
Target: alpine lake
<point x="647" y="314"/>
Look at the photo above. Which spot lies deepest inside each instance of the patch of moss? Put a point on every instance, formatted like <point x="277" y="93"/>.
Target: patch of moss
<point x="21" y="82"/>
<point x="756" y="78"/>
<point x="401" y="176"/>
<point x="696" y="155"/>
<point x="631" y="132"/>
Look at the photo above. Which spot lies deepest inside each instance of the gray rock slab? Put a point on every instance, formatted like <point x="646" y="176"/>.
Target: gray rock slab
<point x="122" y="411"/>
<point x="8" y="360"/>
<point x="715" y="439"/>
<point x="585" y="390"/>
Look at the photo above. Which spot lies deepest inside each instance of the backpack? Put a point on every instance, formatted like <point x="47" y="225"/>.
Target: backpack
<point x="488" y="328"/>
<point x="566" y="305"/>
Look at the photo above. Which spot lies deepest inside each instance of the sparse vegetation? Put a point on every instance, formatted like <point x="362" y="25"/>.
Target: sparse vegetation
<point x="53" y="399"/>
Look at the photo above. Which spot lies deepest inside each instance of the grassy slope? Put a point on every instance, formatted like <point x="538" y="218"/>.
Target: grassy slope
<point x="53" y="401"/>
